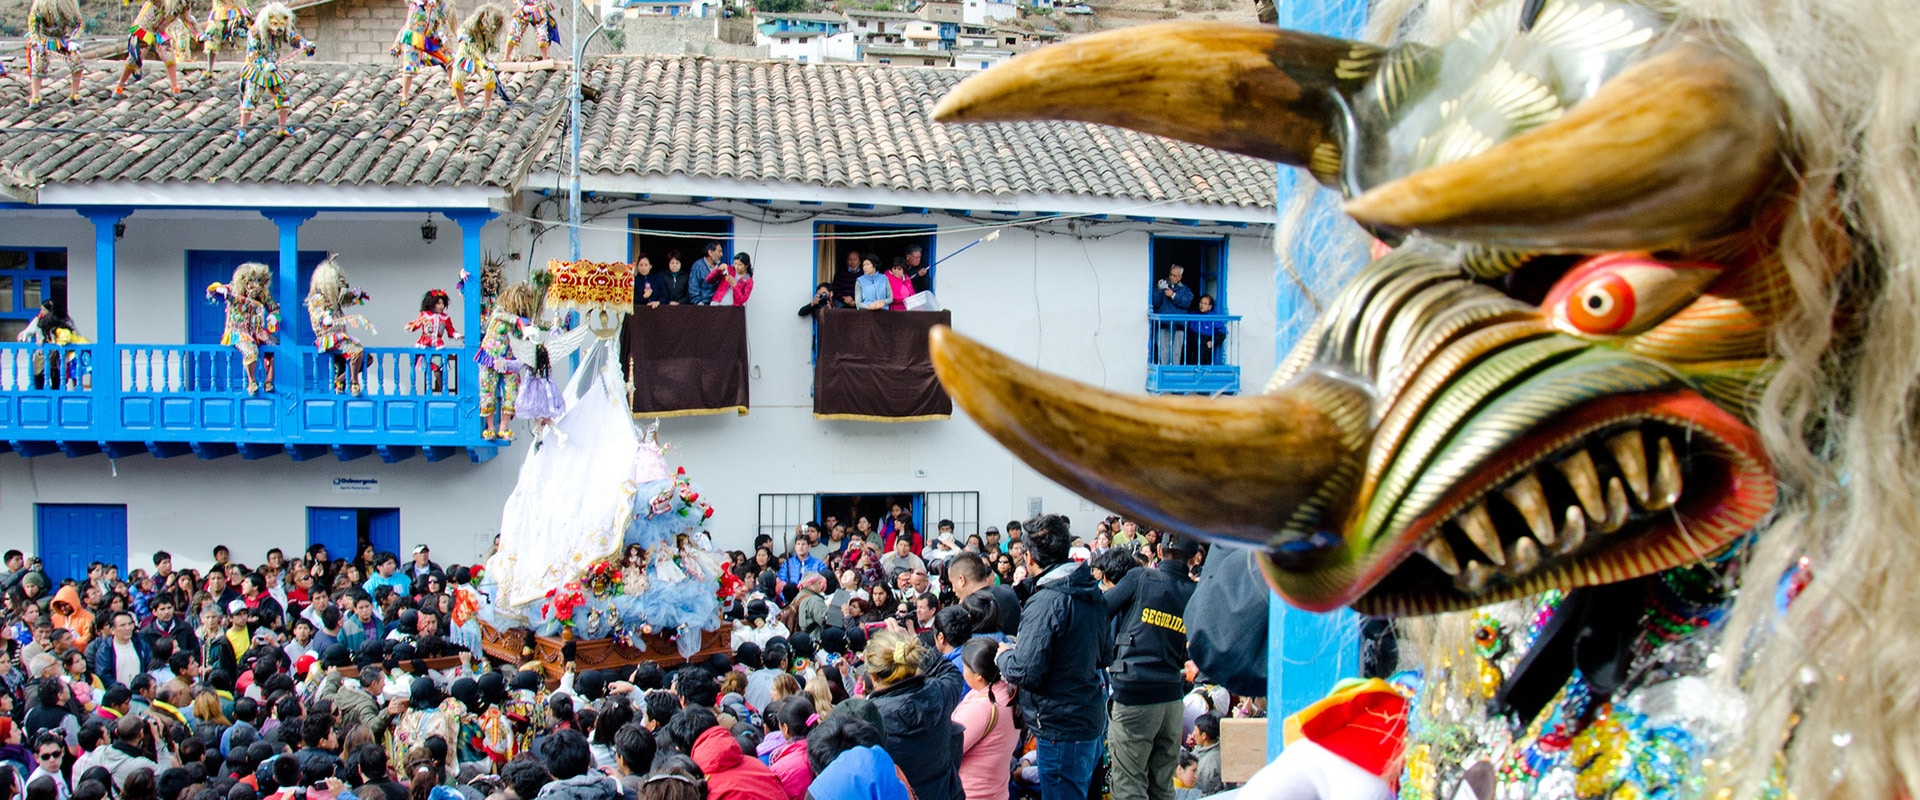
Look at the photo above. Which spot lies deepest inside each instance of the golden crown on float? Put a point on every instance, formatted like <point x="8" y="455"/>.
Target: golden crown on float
<point x="600" y="291"/>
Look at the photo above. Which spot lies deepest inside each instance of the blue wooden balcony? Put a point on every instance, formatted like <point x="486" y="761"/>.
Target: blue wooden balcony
<point x="169" y="400"/>
<point x="1193" y="354"/>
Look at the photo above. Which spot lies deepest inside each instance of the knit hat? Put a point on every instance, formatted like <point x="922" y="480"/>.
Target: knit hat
<point x="833" y="640"/>
<point x="747" y="655"/>
<point x="526" y="680"/>
<point x="424" y="693"/>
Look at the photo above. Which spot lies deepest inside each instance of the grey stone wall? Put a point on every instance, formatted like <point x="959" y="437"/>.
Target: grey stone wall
<point x="696" y="36"/>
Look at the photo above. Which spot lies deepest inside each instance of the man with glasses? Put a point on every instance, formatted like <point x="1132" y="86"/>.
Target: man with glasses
<point x="49" y="751"/>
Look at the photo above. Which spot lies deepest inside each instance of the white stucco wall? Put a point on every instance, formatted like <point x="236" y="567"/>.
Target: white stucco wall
<point x="1064" y="301"/>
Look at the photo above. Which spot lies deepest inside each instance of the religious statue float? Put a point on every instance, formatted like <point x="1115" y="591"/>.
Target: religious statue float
<point x="601" y="543"/>
<point x="1618" y="425"/>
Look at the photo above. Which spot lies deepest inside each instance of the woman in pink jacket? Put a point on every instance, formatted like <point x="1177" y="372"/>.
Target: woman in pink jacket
<point x="992" y="723"/>
<point x="901" y="285"/>
<point x="794" y="715"/>
<point x="734" y="282"/>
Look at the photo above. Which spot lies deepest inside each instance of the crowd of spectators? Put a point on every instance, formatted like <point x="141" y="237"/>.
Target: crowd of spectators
<point x="866" y="661"/>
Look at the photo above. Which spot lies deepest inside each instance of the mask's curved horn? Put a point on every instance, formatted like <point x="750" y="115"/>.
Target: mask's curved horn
<point x="1251" y="89"/>
<point x="1231" y="468"/>
<point x="1669" y="150"/>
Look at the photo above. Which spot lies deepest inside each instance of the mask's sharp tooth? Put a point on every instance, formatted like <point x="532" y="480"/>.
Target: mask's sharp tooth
<point x="1441" y="554"/>
<point x="1522" y="557"/>
<point x="1617" y="508"/>
<point x="1585" y="480"/>
<point x="1666" y="477"/>
<point x="1479" y="529"/>
<point x="1573" y="532"/>
<point x="1630" y="452"/>
<point x="1531" y="501"/>
<point x="1473" y="580"/>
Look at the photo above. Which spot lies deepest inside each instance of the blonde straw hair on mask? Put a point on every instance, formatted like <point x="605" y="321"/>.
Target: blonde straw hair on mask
<point x="893" y="657"/>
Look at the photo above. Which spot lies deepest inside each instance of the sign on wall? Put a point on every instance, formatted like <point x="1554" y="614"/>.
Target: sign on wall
<point x="346" y="485"/>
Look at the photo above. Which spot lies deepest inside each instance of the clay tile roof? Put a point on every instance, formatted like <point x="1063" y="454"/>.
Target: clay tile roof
<point x="867" y="126"/>
<point x="349" y="130"/>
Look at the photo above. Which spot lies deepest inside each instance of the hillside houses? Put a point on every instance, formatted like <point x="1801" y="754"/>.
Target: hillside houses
<point x="936" y="34"/>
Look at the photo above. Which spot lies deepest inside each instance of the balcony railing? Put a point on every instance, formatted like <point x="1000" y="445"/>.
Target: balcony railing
<point x="177" y="398"/>
<point x="1193" y="354"/>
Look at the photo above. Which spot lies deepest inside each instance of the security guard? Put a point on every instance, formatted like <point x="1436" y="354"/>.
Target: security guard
<point x="1148" y="608"/>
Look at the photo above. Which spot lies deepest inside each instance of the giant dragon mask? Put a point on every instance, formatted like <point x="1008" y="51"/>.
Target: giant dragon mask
<point x="1547" y="382"/>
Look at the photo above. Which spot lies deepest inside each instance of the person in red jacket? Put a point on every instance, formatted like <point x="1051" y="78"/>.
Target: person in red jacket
<point x="731" y="774"/>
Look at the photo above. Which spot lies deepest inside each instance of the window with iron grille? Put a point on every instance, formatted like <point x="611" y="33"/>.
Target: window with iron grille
<point x="781" y="513"/>
<point x="961" y="507"/>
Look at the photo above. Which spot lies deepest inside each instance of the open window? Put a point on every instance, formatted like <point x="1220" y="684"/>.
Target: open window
<point x="1191" y="350"/>
<point x="1201" y="261"/>
<point x="840" y="241"/>
<point x="658" y="237"/>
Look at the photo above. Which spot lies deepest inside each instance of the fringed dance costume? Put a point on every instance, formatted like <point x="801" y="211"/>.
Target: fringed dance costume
<point x="536" y="17"/>
<point x="262" y="79"/>
<point x="46" y="37"/>
<point x="423" y="39"/>
<point x="227" y="26"/>
<point x="499" y="370"/>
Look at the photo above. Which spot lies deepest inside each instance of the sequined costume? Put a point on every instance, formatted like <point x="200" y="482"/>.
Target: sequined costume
<point x="48" y="36"/>
<point x="499" y="370"/>
<point x="249" y="323"/>
<point x="147" y="35"/>
<point x="331" y="331"/>
<point x="423" y="40"/>
<point x="535" y="17"/>
<point x="434" y="327"/>
<point x="262" y="79"/>
<point x="227" y="25"/>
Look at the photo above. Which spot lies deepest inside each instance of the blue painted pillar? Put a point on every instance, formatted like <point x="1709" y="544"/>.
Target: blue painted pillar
<point x="471" y="223"/>
<point x="292" y="302"/>
<point x="106" y="364"/>
<point x="1307" y="653"/>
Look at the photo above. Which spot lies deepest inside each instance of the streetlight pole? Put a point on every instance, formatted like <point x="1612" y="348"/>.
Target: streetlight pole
<point x="573" y="134"/>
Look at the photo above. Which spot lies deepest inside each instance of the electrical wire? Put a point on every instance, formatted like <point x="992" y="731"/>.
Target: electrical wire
<point x="379" y="122"/>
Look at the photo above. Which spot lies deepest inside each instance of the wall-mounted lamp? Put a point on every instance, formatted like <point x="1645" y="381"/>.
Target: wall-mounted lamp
<point x="119" y="230"/>
<point x="428" y="230"/>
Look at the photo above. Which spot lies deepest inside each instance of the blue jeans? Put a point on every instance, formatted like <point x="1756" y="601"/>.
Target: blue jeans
<point x="1066" y="768"/>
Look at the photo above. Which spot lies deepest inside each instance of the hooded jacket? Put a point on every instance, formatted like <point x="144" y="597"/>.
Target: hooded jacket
<point x="1150" y="649"/>
<point x="790" y="765"/>
<point x="122" y="759"/>
<point x="1064" y="642"/>
<point x="80" y="621"/>
<point x="730" y="773"/>
<point x="918" y="717"/>
<point x="594" y="785"/>
<point x="861" y="773"/>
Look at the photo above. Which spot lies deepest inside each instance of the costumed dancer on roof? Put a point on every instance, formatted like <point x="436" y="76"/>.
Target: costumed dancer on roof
<point x="53" y="28"/>
<point x="499" y="368"/>
<point x="435" y="327"/>
<point x="327" y="300"/>
<point x="271" y="42"/>
<point x="535" y="17"/>
<point x="479" y="37"/>
<point x="227" y="26"/>
<point x="148" y="35"/>
<point x="253" y="318"/>
<point x="423" y="40"/>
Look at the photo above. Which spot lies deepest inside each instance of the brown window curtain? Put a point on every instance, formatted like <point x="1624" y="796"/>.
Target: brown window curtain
<point x="874" y="365"/>
<point x="688" y="360"/>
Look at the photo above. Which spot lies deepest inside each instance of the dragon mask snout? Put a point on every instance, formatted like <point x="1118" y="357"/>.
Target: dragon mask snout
<point x="1444" y="438"/>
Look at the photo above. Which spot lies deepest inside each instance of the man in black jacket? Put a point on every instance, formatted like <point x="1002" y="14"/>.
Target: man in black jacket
<point x="1064" y="643"/>
<point x="1149" y="606"/>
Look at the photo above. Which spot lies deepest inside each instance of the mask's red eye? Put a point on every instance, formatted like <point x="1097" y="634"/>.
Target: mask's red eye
<point x="1620" y="294"/>
<point x="1602" y="305"/>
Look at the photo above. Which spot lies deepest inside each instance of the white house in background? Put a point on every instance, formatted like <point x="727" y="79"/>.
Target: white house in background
<point x="1086" y="220"/>
<point x="941" y="11"/>
<point x="924" y="35"/>
<point x="979" y="58"/>
<point x="879" y="26"/>
<point x="657" y="8"/>
<point x="806" y="47"/>
<point x="981" y="12"/>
